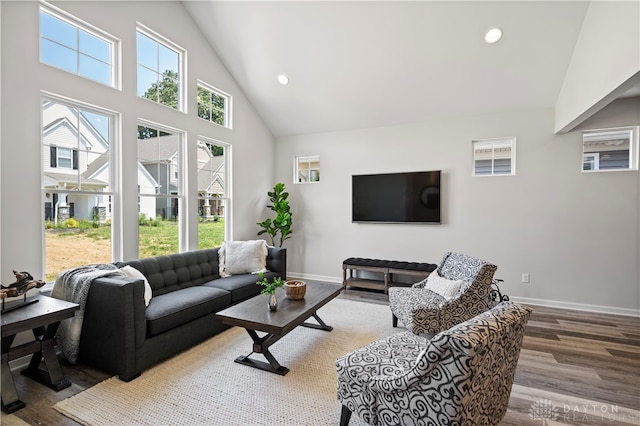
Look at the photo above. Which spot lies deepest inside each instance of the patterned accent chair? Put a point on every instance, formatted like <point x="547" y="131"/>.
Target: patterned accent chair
<point x="463" y="376"/>
<point x="423" y="311"/>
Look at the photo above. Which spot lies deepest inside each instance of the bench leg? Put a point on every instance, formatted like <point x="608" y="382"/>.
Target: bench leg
<point x="344" y="278"/>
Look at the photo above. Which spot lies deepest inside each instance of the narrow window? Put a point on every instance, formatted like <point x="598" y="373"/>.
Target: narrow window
<point x="214" y="105"/>
<point x="493" y="157"/>
<point x="159" y="193"/>
<point x="610" y="149"/>
<point x="213" y="189"/>
<point x="307" y="169"/>
<point x="69" y="44"/>
<point x="159" y="69"/>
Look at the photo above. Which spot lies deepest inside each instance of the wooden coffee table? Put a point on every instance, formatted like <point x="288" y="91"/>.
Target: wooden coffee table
<point x="254" y="315"/>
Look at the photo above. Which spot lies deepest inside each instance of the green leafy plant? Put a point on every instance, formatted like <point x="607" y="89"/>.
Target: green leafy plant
<point x="269" y="287"/>
<point x="281" y="224"/>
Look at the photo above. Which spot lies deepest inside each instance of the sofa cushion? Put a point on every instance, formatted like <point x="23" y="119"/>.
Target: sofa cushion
<point x="240" y="286"/>
<point x="132" y="272"/>
<point x="444" y="287"/>
<point x="242" y="257"/>
<point x="179" y="270"/>
<point x="178" y="307"/>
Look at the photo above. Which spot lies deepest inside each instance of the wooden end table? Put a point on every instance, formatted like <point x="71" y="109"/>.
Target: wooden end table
<point x="43" y="318"/>
<point x="254" y="315"/>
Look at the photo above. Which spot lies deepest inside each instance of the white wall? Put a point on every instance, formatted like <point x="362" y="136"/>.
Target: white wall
<point x="576" y="234"/>
<point x="605" y="61"/>
<point x="23" y="79"/>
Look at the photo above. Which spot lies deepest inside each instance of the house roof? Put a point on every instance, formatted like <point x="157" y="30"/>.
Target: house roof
<point x="57" y="180"/>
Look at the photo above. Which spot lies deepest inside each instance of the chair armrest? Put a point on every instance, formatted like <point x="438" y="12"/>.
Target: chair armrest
<point x="419" y="284"/>
<point x="114" y="326"/>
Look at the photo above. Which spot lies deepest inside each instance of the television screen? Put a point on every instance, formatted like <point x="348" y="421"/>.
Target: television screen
<point x="396" y="197"/>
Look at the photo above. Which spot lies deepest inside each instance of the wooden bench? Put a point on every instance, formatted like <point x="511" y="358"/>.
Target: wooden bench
<point x="388" y="269"/>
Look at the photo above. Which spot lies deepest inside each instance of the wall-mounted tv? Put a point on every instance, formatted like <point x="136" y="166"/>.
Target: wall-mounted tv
<point x="396" y="197"/>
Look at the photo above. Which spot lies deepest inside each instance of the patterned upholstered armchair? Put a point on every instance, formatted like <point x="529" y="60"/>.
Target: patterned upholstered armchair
<point x="463" y="376"/>
<point x="423" y="311"/>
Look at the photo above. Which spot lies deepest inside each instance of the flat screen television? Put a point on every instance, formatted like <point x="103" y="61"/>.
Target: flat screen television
<point x="412" y="197"/>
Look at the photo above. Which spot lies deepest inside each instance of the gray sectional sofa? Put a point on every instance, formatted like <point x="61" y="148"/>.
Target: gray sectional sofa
<point x="122" y="336"/>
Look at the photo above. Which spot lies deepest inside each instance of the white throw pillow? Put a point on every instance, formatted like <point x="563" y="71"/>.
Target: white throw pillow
<point x="444" y="287"/>
<point x="242" y="257"/>
<point x="132" y="272"/>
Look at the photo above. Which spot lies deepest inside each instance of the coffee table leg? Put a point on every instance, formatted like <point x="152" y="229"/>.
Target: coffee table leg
<point x="261" y="346"/>
<point x="320" y="326"/>
<point x="10" y="400"/>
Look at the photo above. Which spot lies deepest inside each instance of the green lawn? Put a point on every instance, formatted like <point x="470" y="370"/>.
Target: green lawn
<point x="158" y="237"/>
<point x="89" y="242"/>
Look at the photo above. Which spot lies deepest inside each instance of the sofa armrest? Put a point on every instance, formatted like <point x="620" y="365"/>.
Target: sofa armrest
<point x="277" y="261"/>
<point x="114" y="326"/>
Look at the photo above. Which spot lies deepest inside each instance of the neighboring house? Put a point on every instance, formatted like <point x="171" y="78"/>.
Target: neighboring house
<point x="160" y="157"/>
<point x="211" y="182"/>
<point x="76" y="167"/>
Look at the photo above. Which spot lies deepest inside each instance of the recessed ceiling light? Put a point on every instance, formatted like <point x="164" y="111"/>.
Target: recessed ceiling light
<point x="283" y="79"/>
<point x="493" y="35"/>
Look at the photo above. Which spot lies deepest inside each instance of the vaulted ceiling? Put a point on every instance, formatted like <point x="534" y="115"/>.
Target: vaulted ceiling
<point x="370" y="64"/>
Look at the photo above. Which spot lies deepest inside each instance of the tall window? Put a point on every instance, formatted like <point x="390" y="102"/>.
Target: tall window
<point x="493" y="157"/>
<point x="160" y="76"/>
<point x="213" y="187"/>
<point x="76" y="147"/>
<point x="159" y="190"/>
<point x="610" y="149"/>
<point x="73" y="46"/>
<point x="214" y="105"/>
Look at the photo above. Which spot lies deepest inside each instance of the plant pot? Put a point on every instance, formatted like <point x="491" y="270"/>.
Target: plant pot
<point x="295" y="289"/>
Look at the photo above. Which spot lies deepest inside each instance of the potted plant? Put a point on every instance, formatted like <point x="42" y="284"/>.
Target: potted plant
<point x="270" y="289"/>
<point x="281" y="224"/>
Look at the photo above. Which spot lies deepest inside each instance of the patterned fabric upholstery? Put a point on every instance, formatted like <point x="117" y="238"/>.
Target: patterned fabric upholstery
<point x="422" y="311"/>
<point x="463" y="376"/>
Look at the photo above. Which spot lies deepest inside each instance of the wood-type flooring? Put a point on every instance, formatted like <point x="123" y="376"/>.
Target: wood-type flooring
<point x="575" y="368"/>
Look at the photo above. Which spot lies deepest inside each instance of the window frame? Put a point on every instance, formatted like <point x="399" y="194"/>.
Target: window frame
<point x="228" y="105"/>
<point x="226" y="199"/>
<point x="80" y="25"/>
<point x="600" y="134"/>
<point x="182" y="60"/>
<point x="179" y="196"/>
<point x="308" y="160"/>
<point x="109" y="197"/>
<point x="492" y="144"/>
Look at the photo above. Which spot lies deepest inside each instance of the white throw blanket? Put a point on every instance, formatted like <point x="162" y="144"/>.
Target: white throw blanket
<point x="73" y="285"/>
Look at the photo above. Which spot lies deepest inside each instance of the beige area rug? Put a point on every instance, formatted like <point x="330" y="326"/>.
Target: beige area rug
<point x="203" y="386"/>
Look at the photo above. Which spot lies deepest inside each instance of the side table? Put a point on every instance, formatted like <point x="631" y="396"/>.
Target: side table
<point x="43" y="318"/>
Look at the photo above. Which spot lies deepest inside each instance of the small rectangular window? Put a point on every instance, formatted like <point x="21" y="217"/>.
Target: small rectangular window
<point x="76" y="47"/>
<point x="494" y="157"/>
<point x="160" y="69"/>
<point x="214" y="105"/>
<point x="610" y="149"/>
<point x="307" y="169"/>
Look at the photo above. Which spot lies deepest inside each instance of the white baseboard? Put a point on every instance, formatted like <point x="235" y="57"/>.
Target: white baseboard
<point x="613" y="310"/>
<point x="314" y="277"/>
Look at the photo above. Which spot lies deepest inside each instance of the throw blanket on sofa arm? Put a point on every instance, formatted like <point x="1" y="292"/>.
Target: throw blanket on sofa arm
<point x="73" y="285"/>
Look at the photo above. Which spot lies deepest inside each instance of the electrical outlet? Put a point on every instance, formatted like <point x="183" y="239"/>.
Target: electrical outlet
<point x="525" y="277"/>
